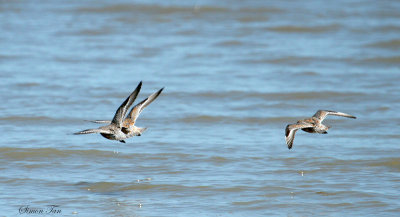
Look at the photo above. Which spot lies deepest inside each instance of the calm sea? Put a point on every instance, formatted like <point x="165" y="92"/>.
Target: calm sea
<point x="235" y="74"/>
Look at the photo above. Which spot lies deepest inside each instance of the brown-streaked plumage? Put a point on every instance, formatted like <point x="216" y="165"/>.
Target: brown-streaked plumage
<point x="128" y="126"/>
<point x="311" y="125"/>
<point x="113" y="130"/>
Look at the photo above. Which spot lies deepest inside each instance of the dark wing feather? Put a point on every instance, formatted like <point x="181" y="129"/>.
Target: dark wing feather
<point x="290" y="132"/>
<point x="88" y="131"/>
<point x="321" y="114"/>
<point x="121" y="111"/>
<point x="135" y="112"/>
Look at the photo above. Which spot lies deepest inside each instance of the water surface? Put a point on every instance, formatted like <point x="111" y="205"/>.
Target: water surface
<point x="235" y="74"/>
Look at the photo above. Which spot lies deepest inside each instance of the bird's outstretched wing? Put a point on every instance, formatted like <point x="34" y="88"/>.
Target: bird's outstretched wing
<point x="123" y="108"/>
<point x="88" y="131"/>
<point x="100" y="121"/>
<point x="137" y="109"/>
<point x="291" y="129"/>
<point x="321" y="114"/>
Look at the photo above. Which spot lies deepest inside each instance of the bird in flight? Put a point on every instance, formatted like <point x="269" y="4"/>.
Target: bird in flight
<point x="311" y="125"/>
<point x="122" y="126"/>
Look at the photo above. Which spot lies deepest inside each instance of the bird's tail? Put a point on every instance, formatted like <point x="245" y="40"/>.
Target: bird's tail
<point x="140" y="131"/>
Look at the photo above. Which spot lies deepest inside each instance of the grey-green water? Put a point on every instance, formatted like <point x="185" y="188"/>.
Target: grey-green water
<point x="235" y="74"/>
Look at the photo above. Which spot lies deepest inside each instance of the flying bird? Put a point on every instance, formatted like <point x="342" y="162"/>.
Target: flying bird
<point x="122" y="126"/>
<point x="311" y="125"/>
<point x="129" y="127"/>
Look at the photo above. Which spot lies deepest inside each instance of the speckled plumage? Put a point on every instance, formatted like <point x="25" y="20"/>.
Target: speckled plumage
<point x="123" y="126"/>
<point x="311" y="125"/>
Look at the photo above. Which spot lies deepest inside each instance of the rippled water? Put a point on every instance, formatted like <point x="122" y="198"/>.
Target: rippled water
<point x="235" y="74"/>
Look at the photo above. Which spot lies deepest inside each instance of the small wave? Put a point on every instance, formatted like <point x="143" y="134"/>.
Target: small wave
<point x="261" y="10"/>
<point x="148" y="52"/>
<point x="218" y="159"/>
<point x="384" y="29"/>
<point x="269" y="96"/>
<point x="29" y="153"/>
<point x="39" y="153"/>
<point x="383" y="60"/>
<point x="230" y="43"/>
<point x="151" y="9"/>
<point x="28" y="84"/>
<point x="252" y="18"/>
<point x="202" y="119"/>
<point x="190" y="32"/>
<point x="26" y="118"/>
<point x="196" y="9"/>
<point x="66" y="59"/>
<point x="391" y="44"/>
<point x="94" y="32"/>
<point x="305" y="29"/>
<point x="32" y="120"/>
<point x="308" y="73"/>
<point x="337" y="205"/>
<point x="4" y="57"/>
<point x="390" y="163"/>
<point x="317" y="95"/>
<point x="289" y="60"/>
<point x="15" y="181"/>
<point x="248" y="203"/>
<point x="381" y="28"/>
<point x="232" y="120"/>
<point x="379" y="109"/>
<point x="145" y="184"/>
<point x="104" y="187"/>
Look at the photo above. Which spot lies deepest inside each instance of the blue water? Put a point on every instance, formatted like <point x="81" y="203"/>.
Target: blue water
<point x="235" y="74"/>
